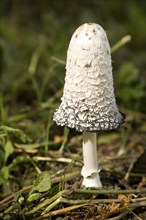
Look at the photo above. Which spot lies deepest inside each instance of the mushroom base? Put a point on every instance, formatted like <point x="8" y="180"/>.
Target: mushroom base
<point x="91" y="181"/>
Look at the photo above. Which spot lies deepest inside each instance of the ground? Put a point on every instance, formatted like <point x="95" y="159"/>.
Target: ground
<point x="57" y="192"/>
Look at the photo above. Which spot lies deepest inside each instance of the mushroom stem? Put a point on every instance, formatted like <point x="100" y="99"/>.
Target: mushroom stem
<point x="90" y="170"/>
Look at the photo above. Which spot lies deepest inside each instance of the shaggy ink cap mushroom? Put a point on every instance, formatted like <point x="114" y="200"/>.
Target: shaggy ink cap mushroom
<point x="88" y="101"/>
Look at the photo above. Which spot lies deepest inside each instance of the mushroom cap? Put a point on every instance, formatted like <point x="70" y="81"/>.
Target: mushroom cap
<point x="88" y="101"/>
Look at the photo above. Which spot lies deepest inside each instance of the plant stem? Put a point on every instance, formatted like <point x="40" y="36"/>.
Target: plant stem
<point x="65" y="136"/>
<point x="46" y="202"/>
<point x="113" y="191"/>
<point x="121" y="43"/>
<point x="101" y="201"/>
<point x="51" y="206"/>
<point x="90" y="169"/>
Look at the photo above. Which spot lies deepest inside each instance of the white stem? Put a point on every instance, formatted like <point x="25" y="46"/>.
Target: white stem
<point x="90" y="170"/>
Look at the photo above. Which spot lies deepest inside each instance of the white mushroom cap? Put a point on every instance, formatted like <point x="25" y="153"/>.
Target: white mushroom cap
<point x="88" y="101"/>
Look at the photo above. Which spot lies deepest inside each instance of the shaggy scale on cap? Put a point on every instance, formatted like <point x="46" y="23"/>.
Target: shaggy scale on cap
<point x="88" y="101"/>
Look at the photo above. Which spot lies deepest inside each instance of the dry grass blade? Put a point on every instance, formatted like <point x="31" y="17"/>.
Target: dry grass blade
<point x="61" y="211"/>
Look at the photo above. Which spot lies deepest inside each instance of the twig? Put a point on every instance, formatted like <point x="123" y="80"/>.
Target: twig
<point x="101" y="201"/>
<point x="113" y="191"/>
<point x="60" y="211"/>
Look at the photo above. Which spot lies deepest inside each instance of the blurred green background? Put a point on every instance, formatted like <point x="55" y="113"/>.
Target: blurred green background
<point x="34" y="37"/>
<point x="32" y="32"/>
